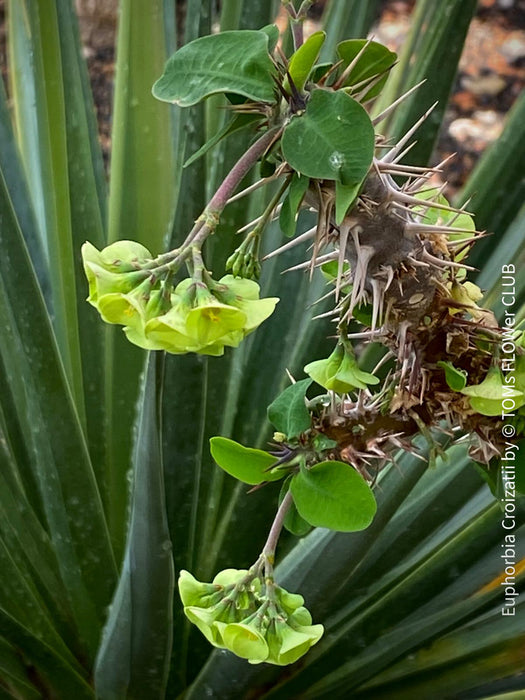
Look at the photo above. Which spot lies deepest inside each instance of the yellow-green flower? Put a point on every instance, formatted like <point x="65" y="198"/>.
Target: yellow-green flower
<point x="488" y="397"/>
<point x="244" y="639"/>
<point x="339" y="372"/>
<point x="201" y="322"/>
<point x="288" y="641"/>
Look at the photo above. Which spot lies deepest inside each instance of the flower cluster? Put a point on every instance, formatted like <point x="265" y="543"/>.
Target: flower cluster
<point x="254" y="618"/>
<point x="195" y="316"/>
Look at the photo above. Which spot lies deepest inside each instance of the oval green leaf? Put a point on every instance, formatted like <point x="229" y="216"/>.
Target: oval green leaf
<point x="333" y="495"/>
<point x="302" y="61"/>
<point x="375" y="60"/>
<point x="234" y="61"/>
<point x="288" y="413"/>
<point x="244" y="463"/>
<point x="293" y="521"/>
<point x="332" y="140"/>
<point x="455" y="378"/>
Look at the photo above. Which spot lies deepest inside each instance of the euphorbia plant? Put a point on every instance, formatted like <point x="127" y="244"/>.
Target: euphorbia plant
<point x="393" y="250"/>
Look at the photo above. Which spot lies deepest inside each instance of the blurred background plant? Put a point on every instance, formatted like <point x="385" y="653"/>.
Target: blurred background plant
<point x="90" y="506"/>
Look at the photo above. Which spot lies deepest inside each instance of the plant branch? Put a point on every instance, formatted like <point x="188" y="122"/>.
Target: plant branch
<point x="277" y="525"/>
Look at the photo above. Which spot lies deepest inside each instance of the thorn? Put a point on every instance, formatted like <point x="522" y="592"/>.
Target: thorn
<point x="417" y="263"/>
<point x="326" y="314"/>
<point x="438" y="262"/>
<point x="390" y="156"/>
<point x="403" y="153"/>
<point x="427" y="203"/>
<point x="391" y="108"/>
<point x="291" y="244"/>
<point x="353" y="63"/>
<point x="466" y="241"/>
<point x="255" y="186"/>
<point x="319" y="261"/>
<point x="368" y="85"/>
<point x="377" y="302"/>
<point x="366" y="334"/>
<point x="431" y="228"/>
<point x="325" y="296"/>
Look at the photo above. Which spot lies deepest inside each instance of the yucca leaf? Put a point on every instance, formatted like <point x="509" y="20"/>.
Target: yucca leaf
<point x="55" y="444"/>
<point x="431" y="51"/>
<point x="509" y="250"/>
<point x="478" y="653"/>
<point x="134" y="654"/>
<point x="88" y="204"/>
<point x="52" y="673"/>
<point x="38" y="95"/>
<point x="15" y="681"/>
<point x="142" y="172"/>
<point x="346" y="20"/>
<point x="16" y="182"/>
<point x="30" y="548"/>
<point x="496" y="185"/>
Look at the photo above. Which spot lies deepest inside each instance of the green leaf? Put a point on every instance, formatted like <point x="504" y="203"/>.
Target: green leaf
<point x="376" y="59"/>
<point x="288" y="413"/>
<point x="59" y="462"/>
<point x="431" y="51"/>
<point x="293" y="522"/>
<point x="455" y="378"/>
<point x="496" y="185"/>
<point x="234" y="61"/>
<point x="345" y="196"/>
<point x="291" y="203"/>
<point x="133" y="657"/>
<point x="303" y="60"/>
<point x="272" y="30"/>
<point x="493" y="396"/>
<point x="56" y="677"/>
<point x="347" y="20"/>
<point x="332" y="140"/>
<point x="40" y="116"/>
<point x="244" y="463"/>
<point x="333" y="495"/>
<point x="142" y="173"/>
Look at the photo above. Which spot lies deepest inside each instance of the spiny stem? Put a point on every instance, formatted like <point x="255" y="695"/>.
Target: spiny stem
<point x="239" y="170"/>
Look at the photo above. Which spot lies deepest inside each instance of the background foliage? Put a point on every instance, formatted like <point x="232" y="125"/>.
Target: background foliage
<point x="91" y="508"/>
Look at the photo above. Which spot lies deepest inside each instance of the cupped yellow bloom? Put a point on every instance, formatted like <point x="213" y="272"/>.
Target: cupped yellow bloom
<point x="339" y="372"/>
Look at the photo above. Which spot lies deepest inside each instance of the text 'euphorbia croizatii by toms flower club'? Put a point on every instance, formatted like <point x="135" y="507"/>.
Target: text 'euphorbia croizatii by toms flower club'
<point x="392" y="250"/>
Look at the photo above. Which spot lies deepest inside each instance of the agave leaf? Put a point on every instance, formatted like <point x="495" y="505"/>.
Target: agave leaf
<point x="496" y="184"/>
<point x="40" y="117"/>
<point x="510" y="250"/>
<point x="14" y="674"/>
<point x="142" y="172"/>
<point x="56" y="449"/>
<point x="489" y="647"/>
<point x="431" y="51"/>
<point x="346" y="20"/>
<point x="55" y="674"/>
<point x="133" y="658"/>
